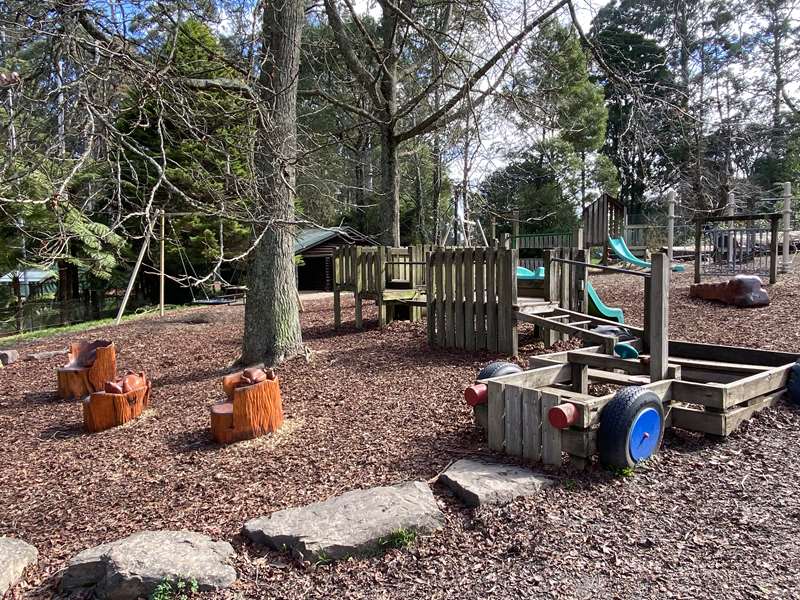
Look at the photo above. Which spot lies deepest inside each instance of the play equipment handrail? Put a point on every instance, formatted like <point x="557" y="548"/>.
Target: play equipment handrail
<point x="603" y="267"/>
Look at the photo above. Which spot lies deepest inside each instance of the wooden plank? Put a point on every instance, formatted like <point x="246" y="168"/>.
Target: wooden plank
<point x="458" y="291"/>
<point x="531" y="425"/>
<point x="496" y="424"/>
<point x="696" y="419"/>
<point x="580" y="378"/>
<point x="502" y="300"/>
<point x="440" y="298"/>
<point x="509" y="308"/>
<point x="513" y="398"/>
<point x="480" y="299"/>
<point x="449" y="328"/>
<point x="430" y="309"/>
<point x="579" y="442"/>
<point x="731" y="354"/>
<point x="469" y="299"/>
<point x="549" y="375"/>
<point x="567" y="329"/>
<point x="551" y="437"/>
<point x="658" y="340"/>
<point x="491" y="300"/>
<point x="602" y="361"/>
<point x="759" y="384"/>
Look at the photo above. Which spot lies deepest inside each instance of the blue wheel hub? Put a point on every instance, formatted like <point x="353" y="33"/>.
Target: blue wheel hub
<point x="644" y="434"/>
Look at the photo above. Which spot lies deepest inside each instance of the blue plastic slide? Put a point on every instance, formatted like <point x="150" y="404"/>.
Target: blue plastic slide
<point x="598" y="308"/>
<point x="527" y="274"/>
<point x="620" y="248"/>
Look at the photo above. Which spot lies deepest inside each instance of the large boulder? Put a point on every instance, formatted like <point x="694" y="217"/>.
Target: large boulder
<point x="8" y="357"/>
<point x="134" y="566"/>
<point x="744" y="291"/>
<point x="479" y="482"/>
<point x="356" y="523"/>
<point x="15" y="557"/>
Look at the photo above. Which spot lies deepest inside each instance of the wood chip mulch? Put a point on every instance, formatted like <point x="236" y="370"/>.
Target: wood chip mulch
<point x="704" y="519"/>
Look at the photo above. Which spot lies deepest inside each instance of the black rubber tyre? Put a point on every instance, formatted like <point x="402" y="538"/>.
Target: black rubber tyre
<point x="616" y="420"/>
<point x="498" y="369"/>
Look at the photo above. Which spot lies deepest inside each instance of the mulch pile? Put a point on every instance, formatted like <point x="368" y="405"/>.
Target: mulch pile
<point x="705" y="518"/>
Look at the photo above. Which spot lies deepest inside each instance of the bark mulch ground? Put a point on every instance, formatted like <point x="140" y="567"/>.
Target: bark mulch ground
<point x="706" y="518"/>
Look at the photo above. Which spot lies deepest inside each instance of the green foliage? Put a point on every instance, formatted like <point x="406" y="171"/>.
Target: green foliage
<point x="400" y="538"/>
<point x="179" y="589"/>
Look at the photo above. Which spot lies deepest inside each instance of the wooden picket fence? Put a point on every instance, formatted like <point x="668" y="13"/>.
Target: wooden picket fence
<point x="471" y="294"/>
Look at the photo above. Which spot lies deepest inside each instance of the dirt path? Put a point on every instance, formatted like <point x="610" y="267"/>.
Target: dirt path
<point x="704" y="519"/>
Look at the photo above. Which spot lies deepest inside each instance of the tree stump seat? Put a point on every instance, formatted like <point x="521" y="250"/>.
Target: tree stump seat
<point x="120" y="401"/>
<point x="89" y="366"/>
<point x="253" y="407"/>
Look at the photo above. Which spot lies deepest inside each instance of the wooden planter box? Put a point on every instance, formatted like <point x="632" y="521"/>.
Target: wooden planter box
<point x="77" y="378"/>
<point x="250" y="411"/>
<point x="103" y="410"/>
<point x="711" y="389"/>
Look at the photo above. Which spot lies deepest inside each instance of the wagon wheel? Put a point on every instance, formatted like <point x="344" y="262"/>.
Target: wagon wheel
<point x="631" y="428"/>
<point x="497" y="369"/>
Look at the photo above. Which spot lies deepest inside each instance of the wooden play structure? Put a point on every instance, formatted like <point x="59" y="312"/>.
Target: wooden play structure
<point x="393" y="277"/>
<point x="119" y="402"/>
<point x="89" y="366"/>
<point x="548" y="411"/>
<point x="253" y="406"/>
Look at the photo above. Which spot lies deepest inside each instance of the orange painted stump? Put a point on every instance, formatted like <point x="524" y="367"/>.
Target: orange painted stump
<point x="253" y="407"/>
<point x="120" y="401"/>
<point x="88" y="368"/>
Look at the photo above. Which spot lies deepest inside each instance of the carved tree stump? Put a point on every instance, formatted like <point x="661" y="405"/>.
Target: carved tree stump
<point x="107" y="409"/>
<point x="252" y="409"/>
<point x="88" y="368"/>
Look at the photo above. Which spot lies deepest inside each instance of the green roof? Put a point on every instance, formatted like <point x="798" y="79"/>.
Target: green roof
<point x="309" y="237"/>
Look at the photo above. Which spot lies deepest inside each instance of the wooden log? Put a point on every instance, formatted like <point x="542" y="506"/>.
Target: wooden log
<point x="103" y="410"/>
<point x="88" y="368"/>
<point x="254" y="410"/>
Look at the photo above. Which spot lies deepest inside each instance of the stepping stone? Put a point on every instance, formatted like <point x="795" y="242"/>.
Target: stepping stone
<point x="134" y="566"/>
<point x="478" y="482"/>
<point x="8" y="357"/>
<point x="46" y="355"/>
<point x="15" y="557"/>
<point x="355" y="523"/>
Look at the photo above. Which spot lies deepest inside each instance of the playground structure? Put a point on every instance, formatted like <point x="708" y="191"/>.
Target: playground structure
<point x="120" y="401"/>
<point x="89" y="366"/>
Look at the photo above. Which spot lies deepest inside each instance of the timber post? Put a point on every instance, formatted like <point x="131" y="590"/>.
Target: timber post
<point x="787" y="226"/>
<point x="658" y="321"/>
<point x="357" y="268"/>
<point x="337" y="294"/>
<point x="698" y="240"/>
<point x="670" y="224"/>
<point x="773" y="248"/>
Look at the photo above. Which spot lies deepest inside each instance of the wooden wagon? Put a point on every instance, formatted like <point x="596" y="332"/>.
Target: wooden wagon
<point x="547" y="413"/>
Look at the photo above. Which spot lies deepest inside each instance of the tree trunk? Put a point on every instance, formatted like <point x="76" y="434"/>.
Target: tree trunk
<point x="390" y="180"/>
<point x="272" y="321"/>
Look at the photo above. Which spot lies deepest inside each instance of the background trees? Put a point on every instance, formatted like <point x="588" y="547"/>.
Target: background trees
<point x="408" y="116"/>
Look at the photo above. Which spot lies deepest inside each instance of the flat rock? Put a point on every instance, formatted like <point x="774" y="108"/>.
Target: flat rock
<point x="46" y="355"/>
<point x="356" y="523"/>
<point x="15" y="557"/>
<point x="8" y="357"/>
<point x="134" y="566"/>
<point x="479" y="482"/>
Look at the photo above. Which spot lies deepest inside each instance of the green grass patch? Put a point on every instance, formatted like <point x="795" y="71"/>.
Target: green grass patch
<point x="79" y="327"/>
<point x="179" y="589"/>
<point x="401" y="538"/>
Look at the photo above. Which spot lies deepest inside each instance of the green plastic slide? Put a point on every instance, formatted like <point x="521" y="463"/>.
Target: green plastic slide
<point x="620" y="248"/>
<point x="598" y="308"/>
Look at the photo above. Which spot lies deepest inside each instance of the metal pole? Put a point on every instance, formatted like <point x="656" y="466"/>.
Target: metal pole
<point x="161" y="271"/>
<point x="670" y="223"/>
<point x="787" y="225"/>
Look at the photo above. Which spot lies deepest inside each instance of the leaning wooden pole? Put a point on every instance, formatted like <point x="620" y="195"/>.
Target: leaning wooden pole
<point x="161" y="266"/>
<point x="140" y="258"/>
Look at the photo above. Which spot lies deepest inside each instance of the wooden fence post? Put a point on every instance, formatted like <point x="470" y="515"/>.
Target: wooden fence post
<point x="658" y="323"/>
<point x="670" y="224"/>
<point x="430" y="302"/>
<point x="337" y="294"/>
<point x="698" y="241"/>
<point x="773" y="249"/>
<point x="580" y="293"/>
<point x="787" y="226"/>
<point x="357" y="268"/>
